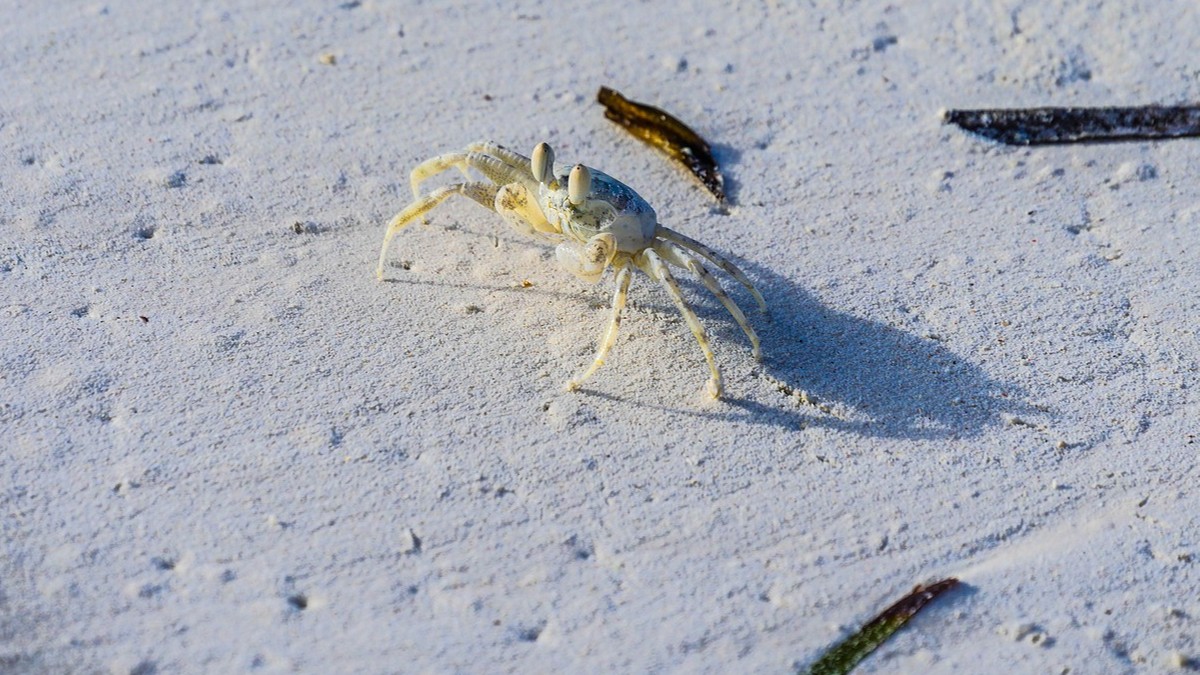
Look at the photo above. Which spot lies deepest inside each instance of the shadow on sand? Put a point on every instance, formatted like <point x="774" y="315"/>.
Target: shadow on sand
<point x="831" y="369"/>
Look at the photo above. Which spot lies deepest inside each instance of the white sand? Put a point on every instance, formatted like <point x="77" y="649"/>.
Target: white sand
<point x="1004" y="341"/>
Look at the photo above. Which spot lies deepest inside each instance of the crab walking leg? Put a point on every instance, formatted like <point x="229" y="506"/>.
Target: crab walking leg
<point x="652" y="264"/>
<point x="716" y="258"/>
<point x="514" y="159"/>
<point x="610" y="335"/>
<point x="484" y="193"/>
<point x="495" y="169"/>
<point x="435" y="165"/>
<point x="679" y="259"/>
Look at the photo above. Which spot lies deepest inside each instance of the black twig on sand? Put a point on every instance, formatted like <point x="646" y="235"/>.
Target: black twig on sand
<point x="1044" y="126"/>
<point x="845" y="655"/>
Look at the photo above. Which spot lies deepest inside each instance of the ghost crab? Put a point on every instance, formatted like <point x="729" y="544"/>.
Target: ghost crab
<point x="597" y="222"/>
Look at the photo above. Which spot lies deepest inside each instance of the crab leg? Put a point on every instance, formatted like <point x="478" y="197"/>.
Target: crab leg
<point x="514" y="159"/>
<point x="610" y="335"/>
<point x="680" y="259"/>
<point x="484" y="193"/>
<point x="716" y="258"/>
<point x="495" y="169"/>
<point x="653" y="265"/>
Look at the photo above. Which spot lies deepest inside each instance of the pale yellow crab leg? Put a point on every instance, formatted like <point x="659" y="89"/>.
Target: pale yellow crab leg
<point x="435" y="165"/>
<point x="495" y="169"/>
<point x="484" y="193"/>
<point x="614" y="322"/>
<point x="680" y="259"/>
<point x="653" y="265"/>
<point x="514" y="159"/>
<point x="716" y="258"/>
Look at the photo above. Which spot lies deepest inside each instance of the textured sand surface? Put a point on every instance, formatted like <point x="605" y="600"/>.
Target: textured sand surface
<point x="224" y="446"/>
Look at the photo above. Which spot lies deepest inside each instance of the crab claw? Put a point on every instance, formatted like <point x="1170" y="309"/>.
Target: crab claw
<point x="587" y="261"/>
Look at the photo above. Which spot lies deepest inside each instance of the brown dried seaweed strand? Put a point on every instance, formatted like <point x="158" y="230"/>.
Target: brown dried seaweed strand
<point x="844" y="656"/>
<point x="1044" y="126"/>
<point x="659" y="129"/>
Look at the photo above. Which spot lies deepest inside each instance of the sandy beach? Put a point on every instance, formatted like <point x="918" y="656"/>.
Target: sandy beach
<point x="226" y="447"/>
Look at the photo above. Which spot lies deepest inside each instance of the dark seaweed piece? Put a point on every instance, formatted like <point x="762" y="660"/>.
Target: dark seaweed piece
<point x="660" y="129"/>
<point x="1043" y="126"/>
<point x="845" y="655"/>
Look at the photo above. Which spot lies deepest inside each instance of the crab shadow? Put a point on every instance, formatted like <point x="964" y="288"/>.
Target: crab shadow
<point x="838" y="370"/>
<point x="835" y="370"/>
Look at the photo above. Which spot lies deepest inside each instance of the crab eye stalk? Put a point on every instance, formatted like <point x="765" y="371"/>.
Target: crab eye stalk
<point x="542" y="163"/>
<point x="579" y="184"/>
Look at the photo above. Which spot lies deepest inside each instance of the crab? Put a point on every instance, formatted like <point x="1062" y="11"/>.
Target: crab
<point x="596" y="221"/>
